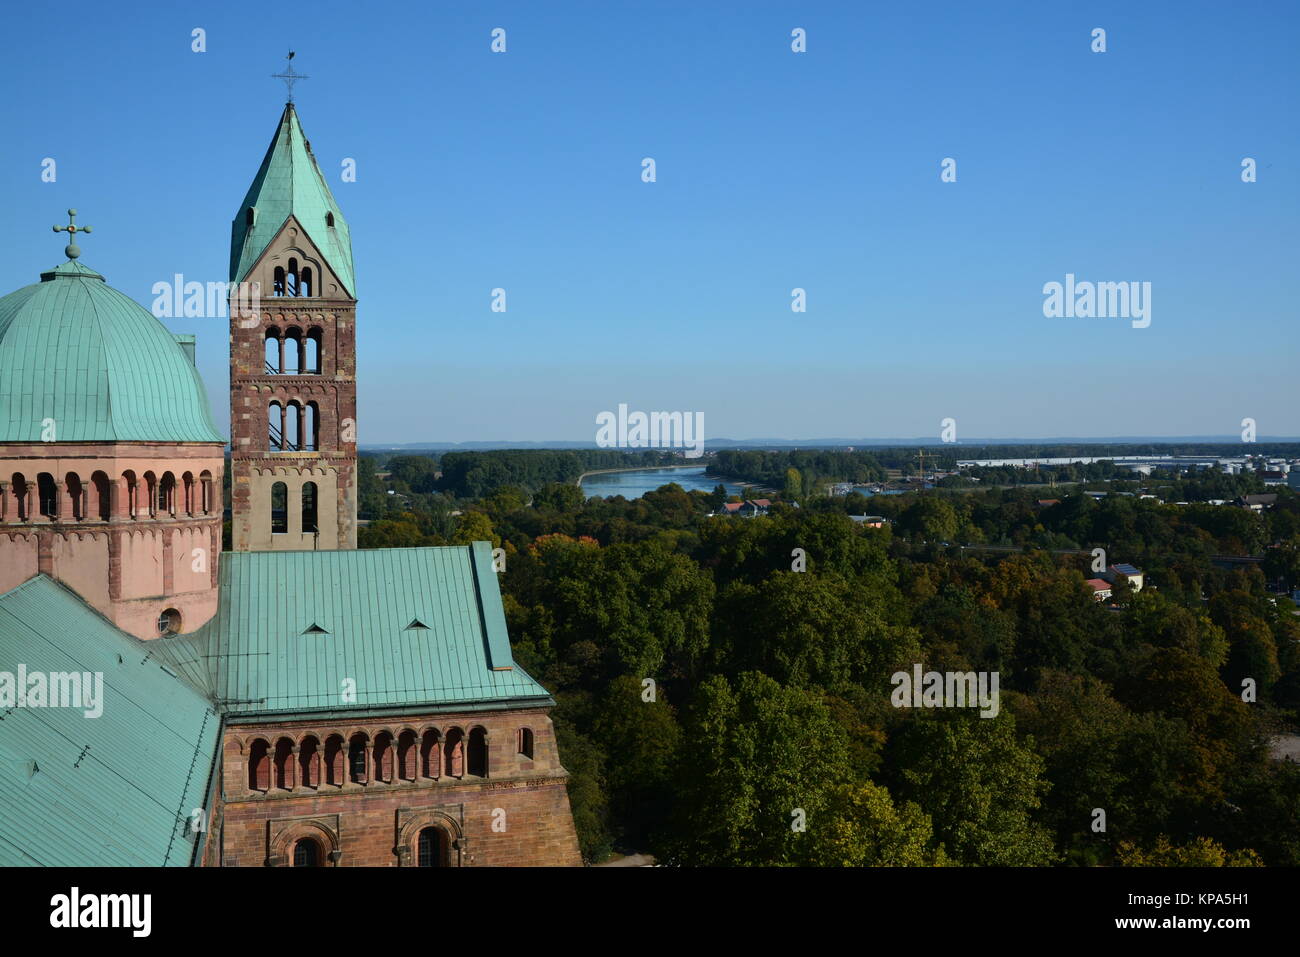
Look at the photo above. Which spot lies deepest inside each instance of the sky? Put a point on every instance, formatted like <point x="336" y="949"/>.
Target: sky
<point x="774" y="170"/>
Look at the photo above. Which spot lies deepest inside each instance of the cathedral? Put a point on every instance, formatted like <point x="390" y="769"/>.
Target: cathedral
<point x="293" y="701"/>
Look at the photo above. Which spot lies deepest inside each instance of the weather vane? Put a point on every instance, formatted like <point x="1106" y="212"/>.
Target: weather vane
<point x="72" y="250"/>
<point x="289" y="76"/>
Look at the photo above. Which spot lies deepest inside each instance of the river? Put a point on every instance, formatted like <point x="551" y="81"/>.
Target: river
<point x="636" y="483"/>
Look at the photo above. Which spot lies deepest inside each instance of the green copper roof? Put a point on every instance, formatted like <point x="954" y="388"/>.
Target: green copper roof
<point x="290" y="183"/>
<point x="117" y="789"/>
<point x="409" y="626"/>
<point x="96" y="363"/>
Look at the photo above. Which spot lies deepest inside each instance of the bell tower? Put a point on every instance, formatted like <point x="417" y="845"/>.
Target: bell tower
<point x="292" y="357"/>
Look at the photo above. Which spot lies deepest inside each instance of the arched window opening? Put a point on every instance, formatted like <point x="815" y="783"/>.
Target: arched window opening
<point x="249" y="216"/>
<point x="357" y="759"/>
<point x="306" y="853"/>
<point x="187" y="484"/>
<point x="313" y="346"/>
<point x="150" y="492"/>
<point x="205" y="483"/>
<point x="103" y="496"/>
<point x="526" y="742"/>
<point x="329" y="220"/>
<point x="454" y="753"/>
<point x="132" y="486"/>
<point x="304" y="282"/>
<point x="47" y="495"/>
<point x="430" y="754"/>
<point x="309" y="508"/>
<point x="169" y="622"/>
<point x="273" y="349"/>
<point x="167" y="494"/>
<point x="278" y="282"/>
<point x="275" y="427"/>
<point x="293" y="427"/>
<point x="21" y="492"/>
<point x="431" y="847"/>
<point x="309" y="763"/>
<point x="279" y="508"/>
<point x="293" y="352"/>
<point x="383" y="756"/>
<point x="291" y="279"/>
<point x="478" y="753"/>
<point x="259" y="766"/>
<point x="284" y="764"/>
<point x="311" y="428"/>
<point x="334" y="753"/>
<point x="406" y="754"/>
<point x="75" y="500"/>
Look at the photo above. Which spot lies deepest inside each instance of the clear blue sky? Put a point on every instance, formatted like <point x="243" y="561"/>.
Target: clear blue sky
<point x="775" y="170"/>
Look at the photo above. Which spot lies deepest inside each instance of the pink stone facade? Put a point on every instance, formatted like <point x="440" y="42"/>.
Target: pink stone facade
<point x="133" y="527"/>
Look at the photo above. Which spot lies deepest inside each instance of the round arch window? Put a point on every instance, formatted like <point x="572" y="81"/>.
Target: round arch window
<point x="306" y="853"/>
<point x="432" y="847"/>
<point x="169" y="622"/>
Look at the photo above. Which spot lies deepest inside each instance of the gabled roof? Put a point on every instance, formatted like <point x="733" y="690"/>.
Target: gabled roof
<point x="1267" y="498"/>
<point x="1099" y="584"/>
<point x="290" y="183"/>
<point x="1125" y="569"/>
<point x="117" y="789"/>
<point x="258" y="655"/>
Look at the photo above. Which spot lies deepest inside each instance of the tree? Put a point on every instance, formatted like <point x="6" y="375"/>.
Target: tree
<point x="759" y="778"/>
<point x="931" y="519"/>
<point x="391" y="533"/>
<point x="414" y="473"/>
<point x="504" y="500"/>
<point x="793" y="490"/>
<point x="866" y="829"/>
<point x="586" y="788"/>
<point x="1201" y="852"/>
<point x="561" y="496"/>
<point x="979" y="785"/>
<point x="641" y="739"/>
<point x="1187" y="688"/>
<point x="474" y="526"/>
<point x="643" y="607"/>
<point x="1100" y="755"/>
<point x="804" y="629"/>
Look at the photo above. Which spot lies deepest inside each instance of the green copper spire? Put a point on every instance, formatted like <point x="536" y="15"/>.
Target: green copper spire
<point x="289" y="183"/>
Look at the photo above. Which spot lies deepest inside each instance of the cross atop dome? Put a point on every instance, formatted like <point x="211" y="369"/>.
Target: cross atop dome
<point x="72" y="250"/>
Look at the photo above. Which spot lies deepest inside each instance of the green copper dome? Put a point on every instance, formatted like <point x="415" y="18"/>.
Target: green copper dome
<point x="94" y="361"/>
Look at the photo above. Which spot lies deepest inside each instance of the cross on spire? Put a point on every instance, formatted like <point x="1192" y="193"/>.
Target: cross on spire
<point x="290" y="75"/>
<point x="72" y="250"/>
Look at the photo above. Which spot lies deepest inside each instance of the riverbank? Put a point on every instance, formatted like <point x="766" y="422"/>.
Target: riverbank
<point x="634" y="468"/>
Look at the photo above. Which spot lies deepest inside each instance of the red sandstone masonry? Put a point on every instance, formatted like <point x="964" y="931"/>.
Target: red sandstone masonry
<point x="516" y="816"/>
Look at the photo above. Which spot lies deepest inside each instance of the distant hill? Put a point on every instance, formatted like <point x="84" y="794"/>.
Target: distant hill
<point x="827" y="443"/>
